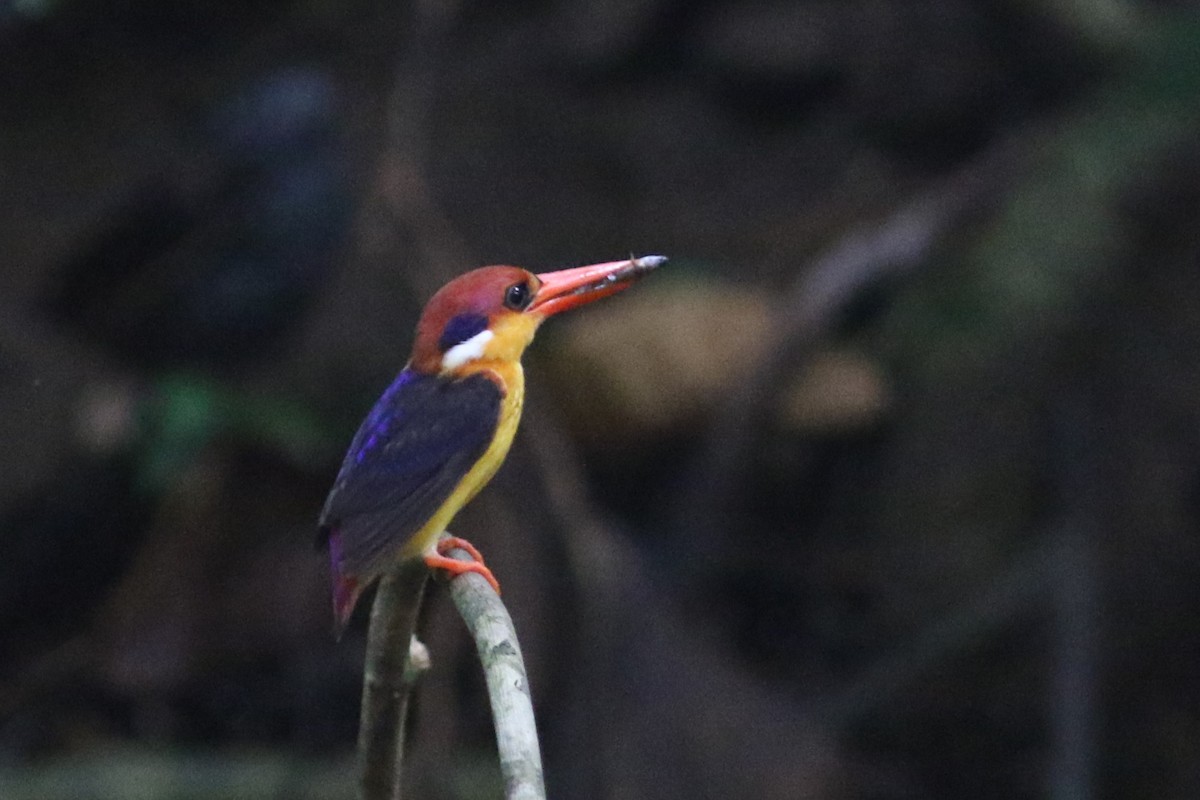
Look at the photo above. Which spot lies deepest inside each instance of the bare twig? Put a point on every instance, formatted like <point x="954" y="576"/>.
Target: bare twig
<point x="394" y="662"/>
<point x="508" y="686"/>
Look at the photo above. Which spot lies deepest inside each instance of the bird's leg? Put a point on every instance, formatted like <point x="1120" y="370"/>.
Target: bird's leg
<point x="435" y="559"/>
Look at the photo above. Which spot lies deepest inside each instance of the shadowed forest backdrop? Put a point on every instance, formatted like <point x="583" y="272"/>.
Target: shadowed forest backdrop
<point x="887" y="486"/>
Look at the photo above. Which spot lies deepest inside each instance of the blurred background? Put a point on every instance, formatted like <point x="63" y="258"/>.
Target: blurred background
<point x="887" y="486"/>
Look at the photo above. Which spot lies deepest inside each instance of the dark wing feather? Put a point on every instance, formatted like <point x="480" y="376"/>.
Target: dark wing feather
<point x="423" y="435"/>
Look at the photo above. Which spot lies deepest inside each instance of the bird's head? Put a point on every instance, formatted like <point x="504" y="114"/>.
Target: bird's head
<point x="492" y="313"/>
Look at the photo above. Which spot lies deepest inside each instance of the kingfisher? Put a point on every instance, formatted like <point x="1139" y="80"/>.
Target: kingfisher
<point x="438" y="434"/>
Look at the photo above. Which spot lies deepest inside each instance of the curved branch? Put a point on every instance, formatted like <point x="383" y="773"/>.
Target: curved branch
<point x="394" y="662"/>
<point x="508" y="686"/>
<point x="808" y="311"/>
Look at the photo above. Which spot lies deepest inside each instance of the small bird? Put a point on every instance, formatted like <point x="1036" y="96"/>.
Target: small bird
<point x="441" y="430"/>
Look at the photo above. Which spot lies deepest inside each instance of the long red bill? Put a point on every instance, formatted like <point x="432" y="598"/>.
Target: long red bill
<point x="569" y="288"/>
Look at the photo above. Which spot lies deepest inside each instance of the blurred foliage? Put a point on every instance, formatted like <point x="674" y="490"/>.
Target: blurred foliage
<point x="1063" y="232"/>
<point x="189" y="411"/>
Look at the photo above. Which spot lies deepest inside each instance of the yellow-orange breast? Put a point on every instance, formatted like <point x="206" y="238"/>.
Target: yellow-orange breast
<point x="512" y="380"/>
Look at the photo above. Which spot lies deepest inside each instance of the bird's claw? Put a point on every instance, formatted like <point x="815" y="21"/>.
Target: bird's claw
<point x="438" y="560"/>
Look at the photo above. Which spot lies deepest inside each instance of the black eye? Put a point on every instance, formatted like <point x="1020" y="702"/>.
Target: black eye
<point x="517" y="296"/>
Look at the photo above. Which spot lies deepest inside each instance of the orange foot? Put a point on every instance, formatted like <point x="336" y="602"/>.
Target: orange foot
<point x="454" y="566"/>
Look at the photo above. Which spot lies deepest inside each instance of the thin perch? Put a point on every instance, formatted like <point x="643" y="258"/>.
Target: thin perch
<point x="508" y="686"/>
<point x="394" y="662"/>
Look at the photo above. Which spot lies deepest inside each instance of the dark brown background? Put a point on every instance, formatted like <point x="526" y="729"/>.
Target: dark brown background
<point x="887" y="486"/>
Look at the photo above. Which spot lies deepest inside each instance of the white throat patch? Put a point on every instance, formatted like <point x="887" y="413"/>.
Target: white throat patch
<point x="466" y="351"/>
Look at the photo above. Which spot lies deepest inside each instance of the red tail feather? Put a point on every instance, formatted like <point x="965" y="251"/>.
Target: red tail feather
<point x="346" y="588"/>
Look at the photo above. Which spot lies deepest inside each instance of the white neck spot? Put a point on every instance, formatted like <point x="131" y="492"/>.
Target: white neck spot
<point x="468" y="350"/>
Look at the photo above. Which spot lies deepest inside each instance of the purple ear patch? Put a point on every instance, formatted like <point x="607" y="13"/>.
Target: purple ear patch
<point x="461" y="328"/>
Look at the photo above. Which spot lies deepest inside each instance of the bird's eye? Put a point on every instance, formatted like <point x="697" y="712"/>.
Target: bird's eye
<point x="517" y="296"/>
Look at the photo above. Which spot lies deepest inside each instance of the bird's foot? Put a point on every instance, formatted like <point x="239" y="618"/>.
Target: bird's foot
<point x="437" y="560"/>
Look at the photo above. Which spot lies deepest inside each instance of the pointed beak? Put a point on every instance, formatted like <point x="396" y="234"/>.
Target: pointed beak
<point x="569" y="288"/>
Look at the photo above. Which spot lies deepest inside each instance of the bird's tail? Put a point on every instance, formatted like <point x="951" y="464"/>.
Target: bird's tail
<point x="346" y="588"/>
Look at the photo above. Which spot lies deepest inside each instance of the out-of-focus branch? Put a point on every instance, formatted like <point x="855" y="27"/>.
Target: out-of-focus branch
<point x="403" y="183"/>
<point x="812" y="306"/>
<point x="394" y="662"/>
<point x="1107" y="25"/>
<point x="1077" y="596"/>
<point x="508" y="686"/>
